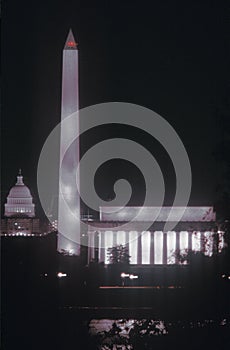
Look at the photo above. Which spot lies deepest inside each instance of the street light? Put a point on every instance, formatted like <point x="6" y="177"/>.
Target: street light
<point x="123" y="276"/>
<point x="127" y="275"/>
<point x="60" y="274"/>
<point x="132" y="277"/>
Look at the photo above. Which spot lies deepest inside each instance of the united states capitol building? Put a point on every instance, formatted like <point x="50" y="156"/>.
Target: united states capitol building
<point x="19" y="212"/>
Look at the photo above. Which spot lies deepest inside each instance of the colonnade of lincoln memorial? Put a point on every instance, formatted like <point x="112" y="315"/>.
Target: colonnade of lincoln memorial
<point x="194" y="232"/>
<point x="151" y="247"/>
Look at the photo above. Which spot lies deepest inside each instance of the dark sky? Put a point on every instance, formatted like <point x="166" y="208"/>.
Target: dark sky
<point x="169" y="56"/>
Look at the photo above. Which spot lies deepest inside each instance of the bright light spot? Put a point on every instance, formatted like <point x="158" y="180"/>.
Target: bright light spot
<point x="61" y="274"/>
<point x="223" y="322"/>
<point x="70" y="251"/>
<point x="132" y="277"/>
<point x="71" y="44"/>
<point x="223" y="276"/>
<point x="123" y="275"/>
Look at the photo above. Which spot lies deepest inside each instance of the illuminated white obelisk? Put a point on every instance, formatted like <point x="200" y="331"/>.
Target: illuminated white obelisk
<point x="69" y="198"/>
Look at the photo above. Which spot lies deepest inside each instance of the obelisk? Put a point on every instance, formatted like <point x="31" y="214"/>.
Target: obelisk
<point x="69" y="198"/>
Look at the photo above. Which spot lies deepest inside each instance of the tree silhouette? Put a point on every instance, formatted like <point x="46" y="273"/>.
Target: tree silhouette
<point x="118" y="255"/>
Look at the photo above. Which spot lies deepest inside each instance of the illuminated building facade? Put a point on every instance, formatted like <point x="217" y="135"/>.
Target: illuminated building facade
<point x="20" y="212"/>
<point x="68" y="167"/>
<point x="196" y="231"/>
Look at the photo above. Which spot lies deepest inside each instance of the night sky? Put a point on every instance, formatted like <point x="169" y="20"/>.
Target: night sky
<point x="169" y="56"/>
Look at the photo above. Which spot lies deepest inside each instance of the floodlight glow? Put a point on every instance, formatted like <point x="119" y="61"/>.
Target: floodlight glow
<point x="60" y="274"/>
<point x="123" y="275"/>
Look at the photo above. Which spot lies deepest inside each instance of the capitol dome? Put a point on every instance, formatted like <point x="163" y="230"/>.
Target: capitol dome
<point x="19" y="200"/>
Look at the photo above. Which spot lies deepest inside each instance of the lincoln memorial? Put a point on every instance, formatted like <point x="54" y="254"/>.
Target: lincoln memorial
<point x="195" y="231"/>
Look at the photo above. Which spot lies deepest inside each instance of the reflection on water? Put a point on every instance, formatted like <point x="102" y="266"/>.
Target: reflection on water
<point x="129" y="334"/>
<point x="124" y="326"/>
<point x="124" y="333"/>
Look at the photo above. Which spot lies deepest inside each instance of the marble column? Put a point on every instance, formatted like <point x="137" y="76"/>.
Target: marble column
<point x="177" y="247"/>
<point x="139" y="249"/>
<point x="127" y="240"/>
<point x="152" y="248"/>
<point x="102" y="246"/>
